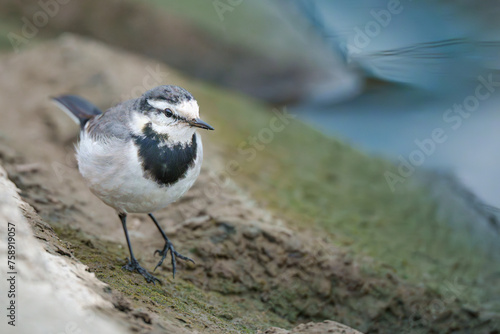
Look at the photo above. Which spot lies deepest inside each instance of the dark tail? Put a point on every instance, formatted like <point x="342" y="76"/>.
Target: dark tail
<point x="79" y="109"/>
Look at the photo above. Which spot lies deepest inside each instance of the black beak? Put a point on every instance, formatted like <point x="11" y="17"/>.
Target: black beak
<point x="200" y="124"/>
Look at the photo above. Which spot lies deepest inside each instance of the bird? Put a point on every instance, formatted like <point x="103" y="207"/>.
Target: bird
<point x="140" y="156"/>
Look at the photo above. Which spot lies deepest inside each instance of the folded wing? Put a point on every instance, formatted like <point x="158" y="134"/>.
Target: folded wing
<point x="79" y="109"/>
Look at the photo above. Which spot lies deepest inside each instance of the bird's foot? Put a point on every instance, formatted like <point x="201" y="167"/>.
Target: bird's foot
<point x="133" y="265"/>
<point x="173" y="253"/>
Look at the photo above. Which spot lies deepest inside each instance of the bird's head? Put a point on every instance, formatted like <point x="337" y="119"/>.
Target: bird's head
<point x="169" y="110"/>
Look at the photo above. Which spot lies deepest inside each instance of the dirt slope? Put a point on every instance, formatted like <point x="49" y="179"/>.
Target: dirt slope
<point x="252" y="272"/>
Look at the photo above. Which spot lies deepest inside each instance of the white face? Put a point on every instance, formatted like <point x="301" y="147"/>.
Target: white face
<point x="187" y="109"/>
<point x="177" y="129"/>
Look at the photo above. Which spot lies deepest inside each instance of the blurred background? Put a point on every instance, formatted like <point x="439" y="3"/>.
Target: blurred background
<point x="413" y="82"/>
<point x="379" y="74"/>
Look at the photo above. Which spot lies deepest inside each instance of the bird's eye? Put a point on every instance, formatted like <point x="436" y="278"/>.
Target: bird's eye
<point x="168" y="112"/>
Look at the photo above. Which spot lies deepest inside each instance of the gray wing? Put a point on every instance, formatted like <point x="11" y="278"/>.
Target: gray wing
<point x="114" y="123"/>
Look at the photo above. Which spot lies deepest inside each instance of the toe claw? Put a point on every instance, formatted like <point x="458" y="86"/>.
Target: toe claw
<point x="134" y="265"/>
<point x="174" y="269"/>
<point x="173" y="254"/>
<point x="185" y="258"/>
<point x="159" y="264"/>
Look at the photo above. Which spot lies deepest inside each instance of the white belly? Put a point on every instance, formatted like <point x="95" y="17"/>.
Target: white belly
<point x="115" y="175"/>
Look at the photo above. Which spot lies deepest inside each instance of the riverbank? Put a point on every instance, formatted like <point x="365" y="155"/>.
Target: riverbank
<point x="306" y="230"/>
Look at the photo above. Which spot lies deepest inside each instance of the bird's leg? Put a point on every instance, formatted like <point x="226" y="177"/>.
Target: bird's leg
<point x="168" y="246"/>
<point x="133" y="264"/>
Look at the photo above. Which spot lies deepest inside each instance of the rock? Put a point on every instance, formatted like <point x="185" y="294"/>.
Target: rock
<point x="330" y="327"/>
<point x="51" y="291"/>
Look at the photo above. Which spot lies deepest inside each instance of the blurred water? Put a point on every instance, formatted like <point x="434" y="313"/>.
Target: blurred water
<point x="433" y="54"/>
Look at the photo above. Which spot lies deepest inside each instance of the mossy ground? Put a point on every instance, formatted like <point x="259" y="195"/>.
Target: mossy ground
<point x="177" y="300"/>
<point x="319" y="183"/>
<point x="236" y="24"/>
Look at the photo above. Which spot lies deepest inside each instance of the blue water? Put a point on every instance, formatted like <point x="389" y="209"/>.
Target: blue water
<point x="430" y="57"/>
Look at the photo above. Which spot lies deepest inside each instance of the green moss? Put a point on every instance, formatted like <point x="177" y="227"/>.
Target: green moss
<point x="235" y="24"/>
<point x="317" y="182"/>
<point x="8" y="26"/>
<point x="176" y="300"/>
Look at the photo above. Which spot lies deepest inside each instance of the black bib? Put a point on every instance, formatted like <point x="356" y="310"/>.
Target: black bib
<point x="163" y="164"/>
